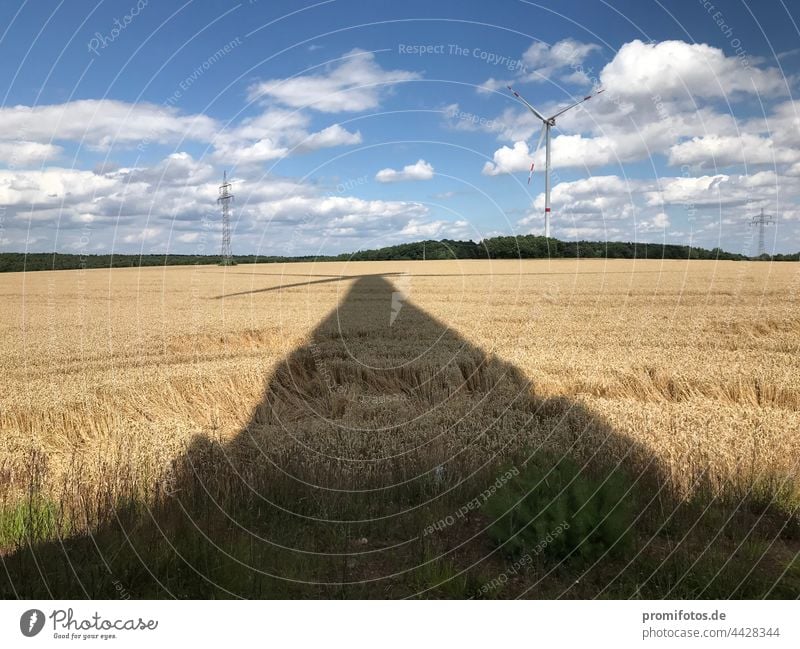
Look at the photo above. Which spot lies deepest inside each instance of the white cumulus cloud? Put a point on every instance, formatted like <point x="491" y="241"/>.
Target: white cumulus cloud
<point x="22" y="153"/>
<point x="420" y="170"/>
<point x="542" y="61"/>
<point x="101" y="123"/>
<point x="353" y="84"/>
<point x="712" y="151"/>
<point x="672" y="69"/>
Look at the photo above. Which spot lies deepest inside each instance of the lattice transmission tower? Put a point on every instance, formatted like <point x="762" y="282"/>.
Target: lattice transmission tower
<point x="225" y="199"/>
<point x="761" y="221"/>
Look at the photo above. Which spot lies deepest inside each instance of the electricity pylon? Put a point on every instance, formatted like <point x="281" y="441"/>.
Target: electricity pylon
<point x="225" y="198"/>
<point x="761" y="220"/>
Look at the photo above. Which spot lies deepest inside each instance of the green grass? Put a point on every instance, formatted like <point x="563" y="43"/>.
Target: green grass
<point x="188" y="547"/>
<point x="33" y="520"/>
<point x="557" y="508"/>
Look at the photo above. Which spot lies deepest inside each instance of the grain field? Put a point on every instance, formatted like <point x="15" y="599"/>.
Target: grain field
<point x="334" y="414"/>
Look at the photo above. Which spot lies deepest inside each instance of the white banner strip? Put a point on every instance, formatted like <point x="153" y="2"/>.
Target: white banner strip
<point x="389" y="624"/>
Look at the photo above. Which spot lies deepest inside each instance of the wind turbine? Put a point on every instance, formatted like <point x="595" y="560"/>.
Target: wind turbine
<point x="547" y="124"/>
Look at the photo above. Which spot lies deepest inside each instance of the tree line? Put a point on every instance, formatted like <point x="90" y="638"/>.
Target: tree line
<point x="521" y="247"/>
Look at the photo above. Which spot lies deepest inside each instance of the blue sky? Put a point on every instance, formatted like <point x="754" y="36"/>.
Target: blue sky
<point x="349" y="125"/>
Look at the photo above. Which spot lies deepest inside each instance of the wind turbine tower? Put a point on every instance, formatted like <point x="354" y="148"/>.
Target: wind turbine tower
<point x="225" y="198"/>
<point x="761" y="220"/>
<point x="547" y="124"/>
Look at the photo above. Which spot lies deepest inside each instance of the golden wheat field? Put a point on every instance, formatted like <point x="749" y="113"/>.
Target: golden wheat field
<point x="108" y="377"/>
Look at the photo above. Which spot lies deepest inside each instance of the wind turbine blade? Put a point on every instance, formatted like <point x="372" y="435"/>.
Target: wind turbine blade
<point x="531" y="108"/>
<point x="538" y="146"/>
<point x="580" y="101"/>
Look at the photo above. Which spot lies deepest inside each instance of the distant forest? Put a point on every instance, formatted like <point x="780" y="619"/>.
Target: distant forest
<point x="522" y="247"/>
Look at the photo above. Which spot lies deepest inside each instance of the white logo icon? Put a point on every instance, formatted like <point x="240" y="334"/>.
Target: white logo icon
<point x="31" y="622"/>
<point x="403" y="286"/>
